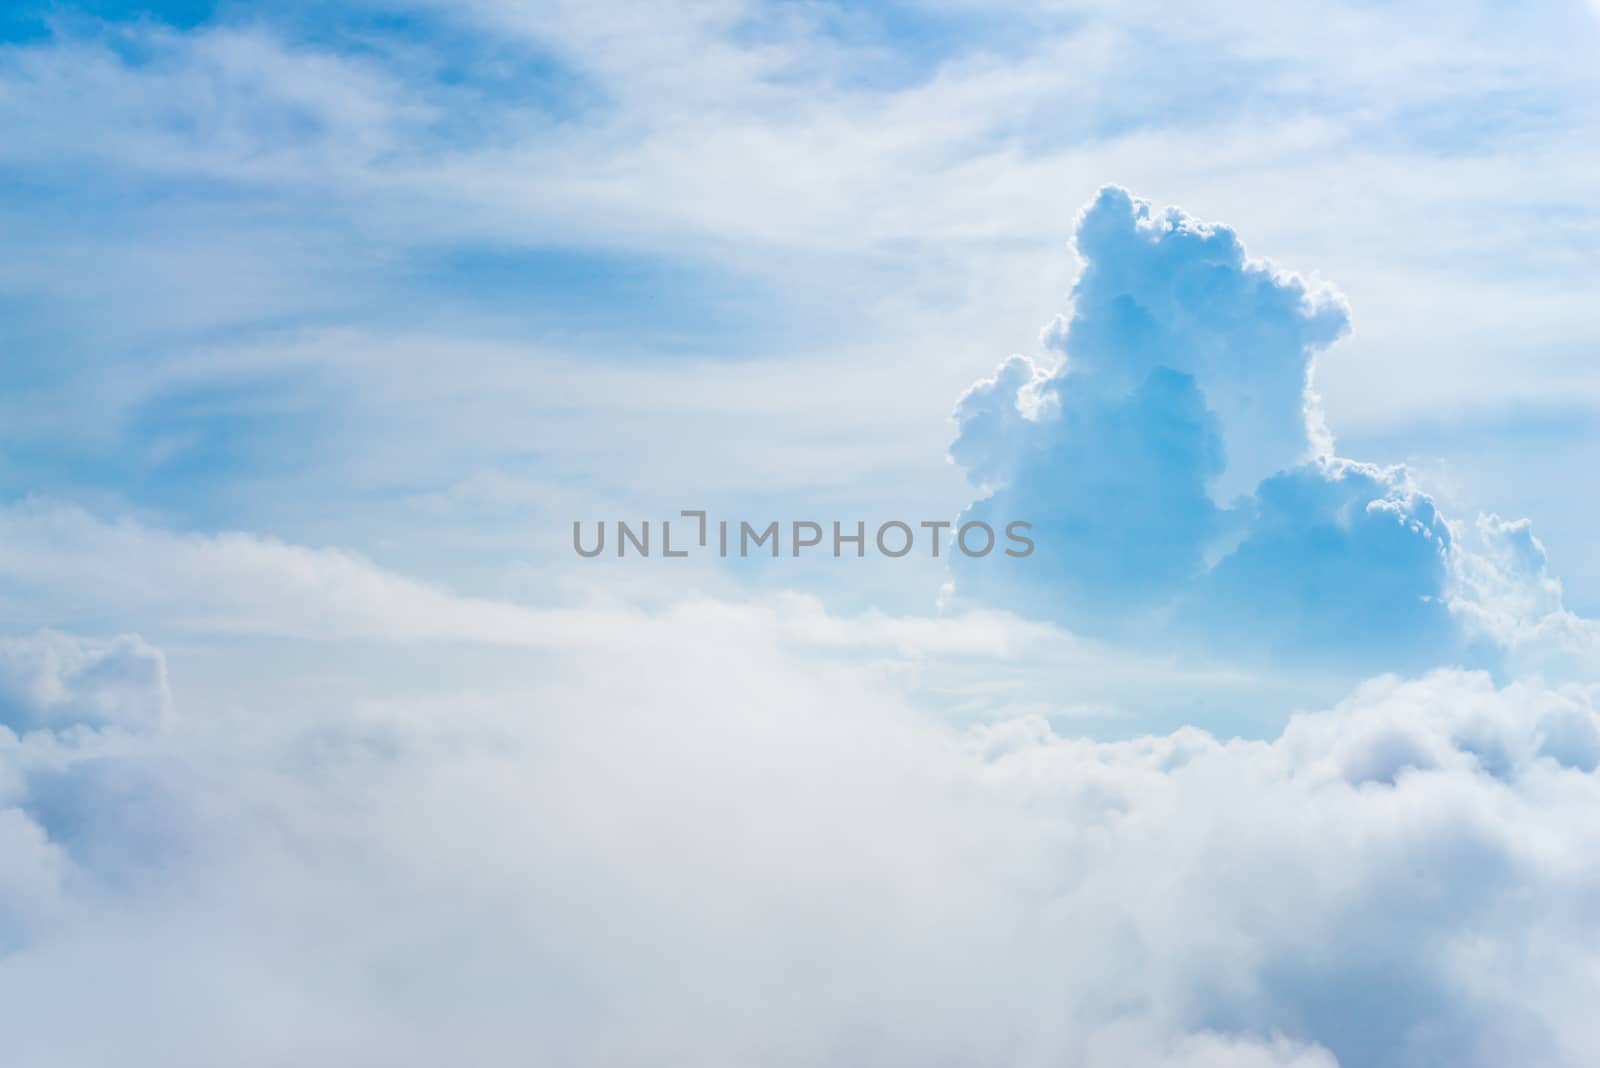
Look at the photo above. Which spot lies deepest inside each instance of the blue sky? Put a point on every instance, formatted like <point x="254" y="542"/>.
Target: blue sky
<point x="882" y="193"/>
<point x="320" y="324"/>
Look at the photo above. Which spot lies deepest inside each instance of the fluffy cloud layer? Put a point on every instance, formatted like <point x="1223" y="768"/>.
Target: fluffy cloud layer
<point x="729" y="854"/>
<point x="1179" y="477"/>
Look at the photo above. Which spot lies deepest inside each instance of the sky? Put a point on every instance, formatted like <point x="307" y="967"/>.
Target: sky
<point x="322" y="324"/>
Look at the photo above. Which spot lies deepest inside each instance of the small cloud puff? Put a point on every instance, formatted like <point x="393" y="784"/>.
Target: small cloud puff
<point x="1504" y="593"/>
<point x="51" y="680"/>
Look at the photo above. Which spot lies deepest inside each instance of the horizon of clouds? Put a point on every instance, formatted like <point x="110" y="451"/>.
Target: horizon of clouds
<point x="1345" y="891"/>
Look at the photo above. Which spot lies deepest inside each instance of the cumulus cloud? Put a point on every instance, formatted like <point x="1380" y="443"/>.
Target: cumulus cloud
<point x="1178" y="473"/>
<point x="1504" y="593"/>
<point x="30" y="879"/>
<point x="63" y="698"/>
<point x="1164" y="291"/>
<point x="51" y="679"/>
<point x="728" y="854"/>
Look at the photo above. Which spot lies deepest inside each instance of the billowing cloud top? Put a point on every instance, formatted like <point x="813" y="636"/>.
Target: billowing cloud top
<point x="1176" y="470"/>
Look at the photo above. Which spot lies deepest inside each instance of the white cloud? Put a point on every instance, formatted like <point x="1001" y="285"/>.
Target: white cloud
<point x="51" y="678"/>
<point x="753" y="857"/>
<point x="221" y="595"/>
<point x="31" y="877"/>
<point x="1120" y="1048"/>
<point x="1503" y="591"/>
<point x="59" y="561"/>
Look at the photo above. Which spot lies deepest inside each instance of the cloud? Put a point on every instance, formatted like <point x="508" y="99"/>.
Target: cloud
<point x="62" y="697"/>
<point x="1503" y="592"/>
<point x="294" y="172"/>
<point x="31" y="878"/>
<point x="1177" y="472"/>
<point x="1119" y="1048"/>
<point x="758" y="858"/>
<point x="684" y="839"/>
<point x="51" y="679"/>
<point x="289" y="618"/>
<point x="1166" y="291"/>
<point x="61" y="562"/>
